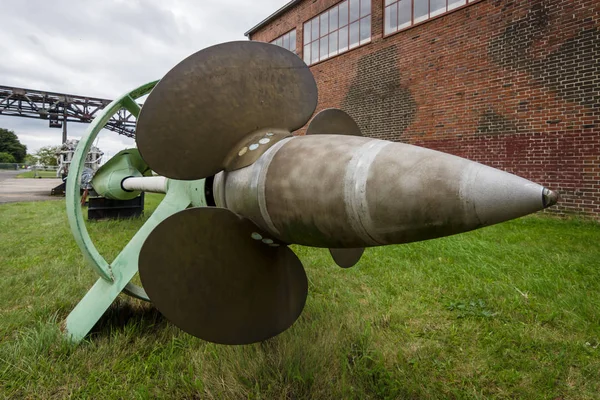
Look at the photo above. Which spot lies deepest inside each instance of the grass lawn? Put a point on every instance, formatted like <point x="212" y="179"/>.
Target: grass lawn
<point x="510" y="311"/>
<point x="37" y="174"/>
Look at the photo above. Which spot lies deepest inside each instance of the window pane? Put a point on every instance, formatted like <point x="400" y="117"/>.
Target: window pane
<point x="286" y="41"/>
<point x="388" y="2"/>
<point x="455" y="3"/>
<point x="293" y="40"/>
<point x="333" y="44"/>
<point x="365" y="7"/>
<point x="307" y="33"/>
<point x="324" y="24"/>
<point x="421" y="10"/>
<point x="333" y="19"/>
<point x="354" y="10"/>
<point x="354" y="36"/>
<point x="365" y="29"/>
<point x="279" y="42"/>
<point x="437" y="7"/>
<point x="324" y="48"/>
<point x="307" y="54"/>
<point x="314" y="51"/>
<point x="343" y="39"/>
<point x="344" y="13"/>
<point x="315" y="28"/>
<point x="391" y="18"/>
<point x="404" y="11"/>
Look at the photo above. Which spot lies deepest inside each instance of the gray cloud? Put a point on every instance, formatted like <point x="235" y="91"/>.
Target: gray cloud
<point x="104" y="48"/>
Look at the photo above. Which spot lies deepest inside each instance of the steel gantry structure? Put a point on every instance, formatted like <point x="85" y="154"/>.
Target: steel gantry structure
<point x="60" y="108"/>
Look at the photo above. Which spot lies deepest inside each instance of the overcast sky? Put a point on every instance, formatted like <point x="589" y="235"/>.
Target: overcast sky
<point x="103" y="48"/>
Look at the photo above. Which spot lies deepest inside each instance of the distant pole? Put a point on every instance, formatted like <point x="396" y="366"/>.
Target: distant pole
<point x="64" y="128"/>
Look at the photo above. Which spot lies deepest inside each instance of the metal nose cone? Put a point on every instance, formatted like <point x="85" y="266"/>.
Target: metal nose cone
<point x="549" y="197"/>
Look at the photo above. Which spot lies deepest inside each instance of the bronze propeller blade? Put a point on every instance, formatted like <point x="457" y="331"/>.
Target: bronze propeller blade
<point x="204" y="107"/>
<point x="216" y="276"/>
<point x="346" y="258"/>
<point x="333" y="121"/>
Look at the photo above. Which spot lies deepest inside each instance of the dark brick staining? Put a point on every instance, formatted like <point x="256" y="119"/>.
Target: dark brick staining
<point x="571" y="71"/>
<point x="376" y="98"/>
<point x="511" y="49"/>
<point x="492" y="123"/>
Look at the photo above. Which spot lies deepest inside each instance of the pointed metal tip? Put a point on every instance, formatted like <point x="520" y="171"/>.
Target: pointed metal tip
<point x="549" y="197"/>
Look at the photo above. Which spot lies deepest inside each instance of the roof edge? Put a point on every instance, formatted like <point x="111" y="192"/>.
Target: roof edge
<point x="271" y="17"/>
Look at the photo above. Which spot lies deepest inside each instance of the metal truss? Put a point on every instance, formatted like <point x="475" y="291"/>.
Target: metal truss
<point x="60" y="108"/>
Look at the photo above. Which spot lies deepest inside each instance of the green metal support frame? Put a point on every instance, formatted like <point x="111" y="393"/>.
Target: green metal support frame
<point x="116" y="276"/>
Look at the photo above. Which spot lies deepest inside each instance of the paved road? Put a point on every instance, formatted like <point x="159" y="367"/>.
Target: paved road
<point x="7" y="174"/>
<point x="13" y="190"/>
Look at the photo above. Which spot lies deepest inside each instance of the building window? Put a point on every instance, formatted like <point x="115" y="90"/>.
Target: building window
<point x="401" y="14"/>
<point x="339" y="29"/>
<point x="287" y="41"/>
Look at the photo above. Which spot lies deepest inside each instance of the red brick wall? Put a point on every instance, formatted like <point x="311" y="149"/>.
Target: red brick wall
<point x="509" y="83"/>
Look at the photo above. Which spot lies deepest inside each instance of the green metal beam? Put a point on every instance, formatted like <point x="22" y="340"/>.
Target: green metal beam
<point x="95" y="303"/>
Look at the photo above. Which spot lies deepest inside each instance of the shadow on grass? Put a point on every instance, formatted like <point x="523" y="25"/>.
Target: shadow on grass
<point x="126" y="315"/>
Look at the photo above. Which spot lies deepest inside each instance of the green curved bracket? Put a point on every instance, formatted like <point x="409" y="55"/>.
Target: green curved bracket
<point x="115" y="277"/>
<point x="74" y="213"/>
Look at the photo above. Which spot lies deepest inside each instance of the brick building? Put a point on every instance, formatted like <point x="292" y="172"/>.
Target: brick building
<point x="512" y="84"/>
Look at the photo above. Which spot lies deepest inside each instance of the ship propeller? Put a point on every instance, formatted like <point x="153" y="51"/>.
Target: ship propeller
<point x="212" y="273"/>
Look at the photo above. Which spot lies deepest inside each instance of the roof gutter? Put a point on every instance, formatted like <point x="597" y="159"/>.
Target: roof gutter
<point x="272" y="17"/>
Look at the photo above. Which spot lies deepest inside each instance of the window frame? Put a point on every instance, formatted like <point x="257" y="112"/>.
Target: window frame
<point x="295" y="51"/>
<point x="424" y="21"/>
<point x="348" y="47"/>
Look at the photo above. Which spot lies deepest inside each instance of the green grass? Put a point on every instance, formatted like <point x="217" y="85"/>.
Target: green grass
<point x="510" y="311"/>
<point x="37" y="174"/>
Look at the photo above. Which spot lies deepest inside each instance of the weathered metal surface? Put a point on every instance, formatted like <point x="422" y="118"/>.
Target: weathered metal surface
<point x="252" y="147"/>
<point x="218" y="277"/>
<point x="244" y="87"/>
<point x="244" y="190"/>
<point x="333" y="121"/>
<point x="346" y="258"/>
<point x="375" y="193"/>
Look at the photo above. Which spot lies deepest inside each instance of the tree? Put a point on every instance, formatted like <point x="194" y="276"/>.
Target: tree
<point x="31" y="159"/>
<point x="47" y="155"/>
<point x="6" y="158"/>
<point x="9" y="143"/>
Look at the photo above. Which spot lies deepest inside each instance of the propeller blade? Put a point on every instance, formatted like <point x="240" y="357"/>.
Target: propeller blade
<point x="346" y="258"/>
<point x="216" y="276"/>
<point x="333" y="121"/>
<point x="202" y="110"/>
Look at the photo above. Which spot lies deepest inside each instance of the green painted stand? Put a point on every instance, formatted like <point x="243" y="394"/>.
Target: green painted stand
<point x="116" y="276"/>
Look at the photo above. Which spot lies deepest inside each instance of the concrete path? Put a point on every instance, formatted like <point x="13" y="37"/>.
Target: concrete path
<point x="26" y="189"/>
